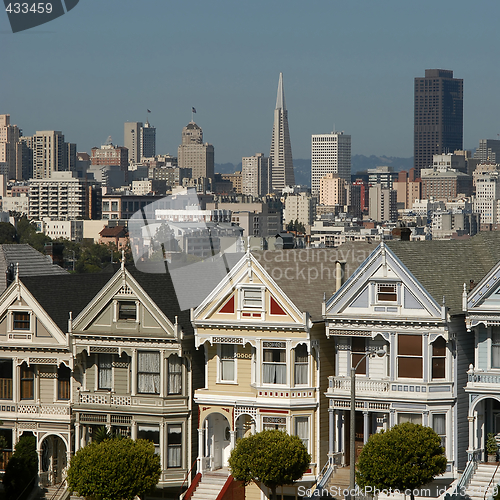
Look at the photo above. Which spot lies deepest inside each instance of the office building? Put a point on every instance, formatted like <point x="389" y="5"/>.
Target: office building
<point x="300" y="208"/>
<point x="383" y="204"/>
<point x="9" y="136"/>
<point x="488" y="150"/>
<point x="255" y="175"/>
<point x="332" y="190"/>
<point x="148" y="141"/>
<point x="194" y="154"/>
<point x="443" y="185"/>
<point x="51" y="153"/>
<point x="330" y="154"/>
<point x="64" y="197"/>
<point x="280" y="157"/>
<point x="487" y="199"/>
<point x="438" y="119"/>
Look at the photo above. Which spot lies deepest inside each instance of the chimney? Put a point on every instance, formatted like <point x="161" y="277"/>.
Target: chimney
<point x="339" y="274"/>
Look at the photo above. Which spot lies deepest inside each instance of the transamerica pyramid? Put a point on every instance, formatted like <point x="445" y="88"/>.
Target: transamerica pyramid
<point x="280" y="157"/>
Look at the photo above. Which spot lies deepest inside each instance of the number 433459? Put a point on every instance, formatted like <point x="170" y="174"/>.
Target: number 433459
<point x="25" y="8"/>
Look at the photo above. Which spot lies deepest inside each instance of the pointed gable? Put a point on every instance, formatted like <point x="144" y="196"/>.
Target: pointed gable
<point x="383" y="285"/>
<point x="248" y="294"/>
<point x="485" y="296"/>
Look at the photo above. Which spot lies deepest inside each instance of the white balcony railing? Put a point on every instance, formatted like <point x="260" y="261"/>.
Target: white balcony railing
<point x="362" y="385"/>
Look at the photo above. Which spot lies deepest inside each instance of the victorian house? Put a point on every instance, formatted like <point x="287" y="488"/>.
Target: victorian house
<point x="404" y="300"/>
<point x="482" y="309"/>
<point x="262" y="333"/>
<point x="84" y="351"/>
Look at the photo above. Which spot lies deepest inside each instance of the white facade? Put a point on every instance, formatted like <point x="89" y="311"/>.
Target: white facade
<point x="16" y="204"/>
<point x="255" y="175"/>
<point x="330" y="154"/>
<point x="487" y="201"/>
<point x="66" y="229"/>
<point x="299" y="207"/>
<point x="48" y="153"/>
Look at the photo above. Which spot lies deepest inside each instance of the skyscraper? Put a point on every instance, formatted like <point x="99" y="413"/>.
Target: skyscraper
<point x="140" y="140"/>
<point x="193" y="154"/>
<point x="280" y="157"/>
<point x="9" y="136"/>
<point x="438" y="122"/>
<point x="488" y="150"/>
<point x="330" y="154"/>
<point x="255" y="175"/>
<point x="49" y="153"/>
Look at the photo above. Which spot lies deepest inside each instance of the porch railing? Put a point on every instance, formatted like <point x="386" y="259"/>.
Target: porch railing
<point x="344" y="384"/>
<point x="483" y="378"/>
<point x="463" y="482"/>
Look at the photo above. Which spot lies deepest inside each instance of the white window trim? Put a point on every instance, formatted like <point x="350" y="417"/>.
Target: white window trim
<point x="253" y="309"/>
<point x="29" y="334"/>
<point x="116" y="311"/>
<point x="96" y="384"/>
<point x="219" y="365"/>
<point x="287" y="366"/>
<point x="308" y="350"/>
<point x="309" y="429"/>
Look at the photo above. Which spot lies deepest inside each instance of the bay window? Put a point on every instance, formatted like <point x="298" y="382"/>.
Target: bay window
<point x="174" y="375"/>
<point x="27" y="381"/>
<point x="410" y="361"/>
<point x="302" y="430"/>
<point x="358" y="352"/>
<point x="105" y="371"/>
<point x="439" y="358"/>
<point x="495" y="348"/>
<point x="301" y="365"/>
<point x="174" y="445"/>
<point x="227" y="363"/>
<point x="274" y="366"/>
<point x="148" y="372"/>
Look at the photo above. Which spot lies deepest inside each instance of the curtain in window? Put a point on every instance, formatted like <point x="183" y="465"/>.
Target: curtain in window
<point x="414" y="418"/>
<point x="439" y="423"/>
<point x="148" y="372"/>
<point x="174" y="375"/>
<point x="301" y="364"/>
<point x="227" y="362"/>
<point x="302" y="430"/>
<point x="495" y="349"/>
<point x="274" y="366"/>
<point x="174" y="453"/>
<point x="105" y="371"/>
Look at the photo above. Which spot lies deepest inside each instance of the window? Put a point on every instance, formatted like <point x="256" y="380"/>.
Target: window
<point x="302" y="430"/>
<point x="387" y="292"/>
<point x="252" y="298"/>
<point x="21" y="321"/>
<point x="148" y="372"/>
<point x="227" y="363"/>
<point x="5" y="378"/>
<point x="27" y="381"/>
<point x="358" y="351"/>
<point x="439" y="426"/>
<point x="495" y="348"/>
<point x="127" y="311"/>
<point x="63" y="382"/>
<point x="105" y="371"/>
<point x="301" y="364"/>
<point x="174" y="445"/>
<point x="439" y="358"/>
<point x="409" y="356"/>
<point x="274" y="366"/>
<point x="414" y="418"/>
<point x="174" y="375"/>
<point x="150" y="433"/>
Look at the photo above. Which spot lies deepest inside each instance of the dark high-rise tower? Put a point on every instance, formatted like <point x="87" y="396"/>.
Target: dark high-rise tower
<point x="438" y="124"/>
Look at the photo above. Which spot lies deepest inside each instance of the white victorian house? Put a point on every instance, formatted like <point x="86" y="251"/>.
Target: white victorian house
<point x="406" y="298"/>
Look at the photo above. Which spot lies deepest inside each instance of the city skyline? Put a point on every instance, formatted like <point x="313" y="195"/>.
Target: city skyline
<point x="207" y="58"/>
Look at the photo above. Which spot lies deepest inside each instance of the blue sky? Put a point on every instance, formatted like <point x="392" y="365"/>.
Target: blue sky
<point x="345" y="63"/>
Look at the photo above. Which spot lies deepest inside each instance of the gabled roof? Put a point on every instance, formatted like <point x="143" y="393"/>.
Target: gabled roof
<point x="59" y="295"/>
<point x="442" y="267"/>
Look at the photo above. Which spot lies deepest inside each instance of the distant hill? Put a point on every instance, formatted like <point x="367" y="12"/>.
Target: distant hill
<point x="359" y="163"/>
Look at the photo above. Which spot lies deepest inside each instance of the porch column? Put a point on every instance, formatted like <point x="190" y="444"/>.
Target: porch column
<point x="331" y="430"/>
<point x="77" y="436"/>
<point x="232" y="439"/>
<point x="391" y="418"/>
<point x="200" y="450"/>
<point x="133" y="431"/>
<point x="366" y="429"/>
<point x="133" y="370"/>
<point x="471" y="433"/>
<point x="426" y="418"/>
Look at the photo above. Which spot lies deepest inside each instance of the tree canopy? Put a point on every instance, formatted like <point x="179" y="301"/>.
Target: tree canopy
<point x="115" y="469"/>
<point x="22" y="469"/>
<point x="404" y="458"/>
<point x="272" y="457"/>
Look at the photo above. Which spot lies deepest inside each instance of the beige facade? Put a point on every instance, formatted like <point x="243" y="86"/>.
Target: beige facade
<point x="193" y="154"/>
<point x="9" y="136"/>
<point x="332" y="190"/>
<point x="255" y="175"/>
<point x="301" y="207"/>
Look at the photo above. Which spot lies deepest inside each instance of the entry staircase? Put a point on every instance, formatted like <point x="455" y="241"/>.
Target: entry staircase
<point x="210" y="485"/>
<point x="56" y="492"/>
<point x="484" y="480"/>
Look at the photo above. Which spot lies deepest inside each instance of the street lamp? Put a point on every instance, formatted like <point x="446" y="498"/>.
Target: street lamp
<point x="352" y="471"/>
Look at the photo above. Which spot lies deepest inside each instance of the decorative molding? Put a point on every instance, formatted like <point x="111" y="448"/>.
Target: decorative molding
<point x="274" y="345"/>
<point x="227" y="340"/>
<point x="103" y="350"/>
<point x="43" y="361"/>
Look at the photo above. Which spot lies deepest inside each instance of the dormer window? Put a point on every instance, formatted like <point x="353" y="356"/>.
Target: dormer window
<point x="252" y="298"/>
<point x="127" y="311"/>
<point x="387" y="292"/>
<point x="21" y="320"/>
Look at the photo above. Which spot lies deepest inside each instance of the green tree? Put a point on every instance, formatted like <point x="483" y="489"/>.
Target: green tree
<point x="7" y="233"/>
<point x="21" y="471"/>
<point x="405" y="458"/>
<point x="272" y="458"/>
<point x="115" y="469"/>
